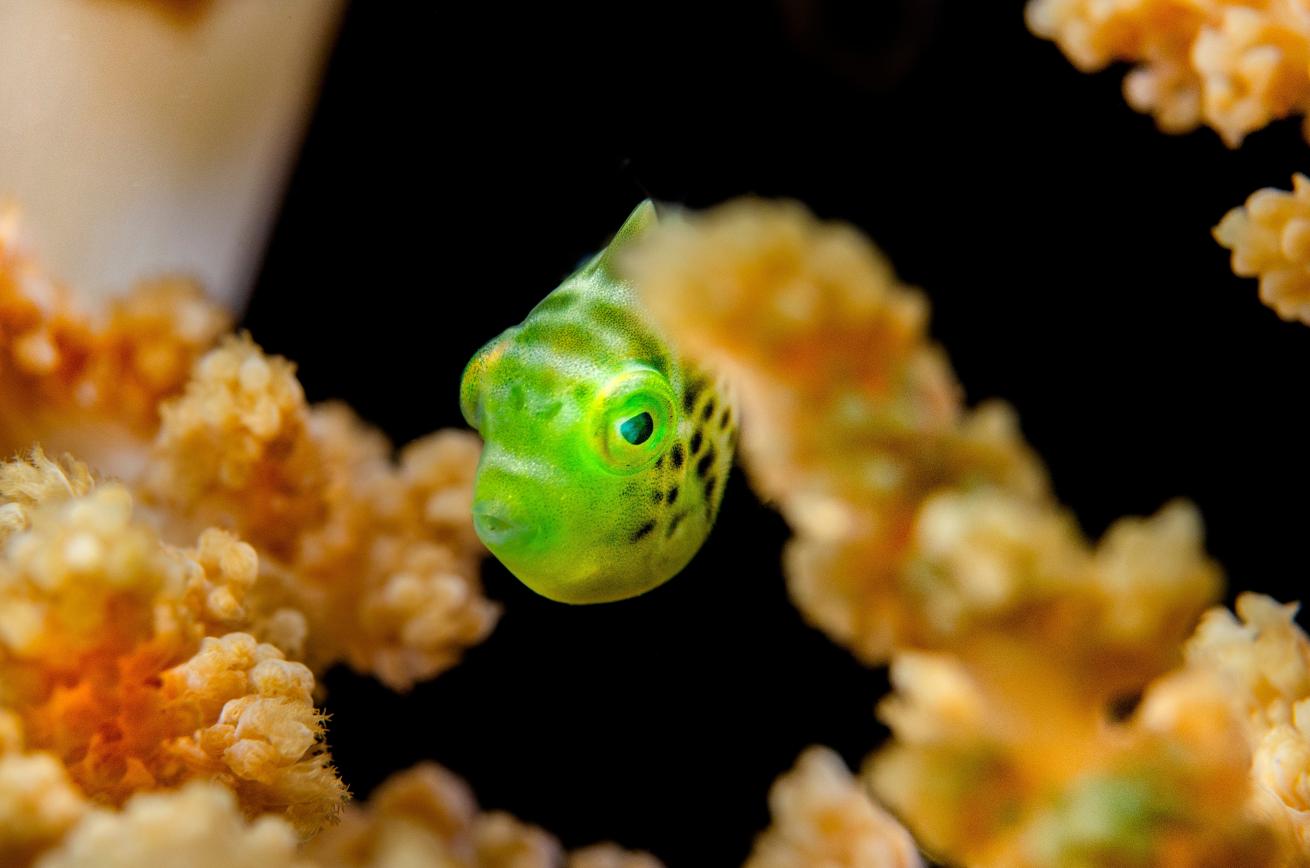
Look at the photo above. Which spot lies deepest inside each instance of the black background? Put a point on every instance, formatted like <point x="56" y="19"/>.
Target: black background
<point x="463" y="159"/>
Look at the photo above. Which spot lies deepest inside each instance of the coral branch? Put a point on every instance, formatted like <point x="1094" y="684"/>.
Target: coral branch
<point x="918" y="524"/>
<point x="822" y="816"/>
<point x="1235" y="65"/>
<point x="109" y="661"/>
<point x="427" y="816"/>
<point x="1270" y="239"/>
<point x="926" y="534"/>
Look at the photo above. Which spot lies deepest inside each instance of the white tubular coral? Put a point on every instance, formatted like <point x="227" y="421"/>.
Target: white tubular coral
<point x="1270" y="239"/>
<point x="823" y="816"/>
<point x="1235" y="65"/>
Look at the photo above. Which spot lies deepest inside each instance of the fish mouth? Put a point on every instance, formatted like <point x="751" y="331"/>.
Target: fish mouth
<point x="497" y="528"/>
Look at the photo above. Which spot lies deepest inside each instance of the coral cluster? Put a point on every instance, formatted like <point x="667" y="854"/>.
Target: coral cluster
<point x="427" y="816"/>
<point x="1270" y="239"/>
<point x="1234" y="65"/>
<point x="361" y="559"/>
<point x="364" y="560"/>
<point x="422" y="817"/>
<point x="91" y="384"/>
<point x="160" y="626"/>
<point x="121" y="657"/>
<point x="1261" y="665"/>
<point x="822" y="816"/>
<point x="917" y="524"/>
<point x="925" y="534"/>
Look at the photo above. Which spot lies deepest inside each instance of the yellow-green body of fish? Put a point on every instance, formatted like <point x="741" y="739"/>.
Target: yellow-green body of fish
<point x="605" y="454"/>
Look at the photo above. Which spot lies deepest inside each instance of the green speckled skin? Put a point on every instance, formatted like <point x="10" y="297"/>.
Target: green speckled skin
<point x="564" y="498"/>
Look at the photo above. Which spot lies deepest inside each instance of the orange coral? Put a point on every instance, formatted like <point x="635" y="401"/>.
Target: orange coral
<point x="927" y="534"/>
<point x="39" y="802"/>
<point x="91" y="385"/>
<point x="822" y="816"/>
<point x="1262" y="662"/>
<point x="917" y="524"/>
<point x="1270" y="239"/>
<point x="199" y="826"/>
<point x="361" y="559"/>
<point x="104" y="657"/>
<point x="1235" y="65"/>
<point x="987" y="770"/>
<point x="380" y="558"/>
<point x="427" y="816"/>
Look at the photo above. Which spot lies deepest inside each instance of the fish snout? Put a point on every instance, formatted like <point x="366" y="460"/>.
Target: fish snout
<point x="498" y="526"/>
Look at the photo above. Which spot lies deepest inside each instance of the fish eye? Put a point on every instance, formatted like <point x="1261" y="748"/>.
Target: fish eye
<point x="633" y="420"/>
<point x="637" y="429"/>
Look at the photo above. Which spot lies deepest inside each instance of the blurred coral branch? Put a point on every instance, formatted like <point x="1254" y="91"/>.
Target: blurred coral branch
<point x="1270" y="239"/>
<point x="1234" y="65"/>
<point x="926" y="535"/>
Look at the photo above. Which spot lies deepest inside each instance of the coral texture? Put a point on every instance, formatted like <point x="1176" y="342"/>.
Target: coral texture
<point x="119" y="659"/>
<point x="362" y="559"/>
<point x="1234" y="65"/>
<point x="917" y="524"/>
<point x="427" y="816"/>
<point x="1262" y="664"/>
<point x="823" y="816"/>
<point x="1270" y="239"/>
<point x="926" y="534"/>
<point x="379" y="558"/>
<point x="91" y="384"/>
<point x="198" y="826"/>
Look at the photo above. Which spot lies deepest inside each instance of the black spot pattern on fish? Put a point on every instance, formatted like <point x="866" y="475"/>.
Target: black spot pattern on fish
<point x="706" y="462"/>
<point x="677" y="456"/>
<point x="694" y="387"/>
<point x="642" y="531"/>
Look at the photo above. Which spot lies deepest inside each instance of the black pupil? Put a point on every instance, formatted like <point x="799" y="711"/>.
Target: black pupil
<point x="638" y="429"/>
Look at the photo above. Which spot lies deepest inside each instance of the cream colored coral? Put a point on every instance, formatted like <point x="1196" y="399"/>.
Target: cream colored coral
<point x="1270" y="239"/>
<point x="256" y="728"/>
<point x="1263" y="663"/>
<point x="106" y="661"/>
<point x="379" y="559"/>
<point x="1235" y="65"/>
<point x="427" y="816"/>
<point x="90" y="382"/>
<point x="927" y="534"/>
<point x="610" y="856"/>
<point x="38" y="804"/>
<point x="199" y="826"/>
<point x="363" y="560"/>
<point x="823" y="817"/>
<point x="918" y="524"/>
<point x="1009" y="765"/>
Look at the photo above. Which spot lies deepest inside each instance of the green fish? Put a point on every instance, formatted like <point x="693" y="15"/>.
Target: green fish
<point x="605" y="453"/>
